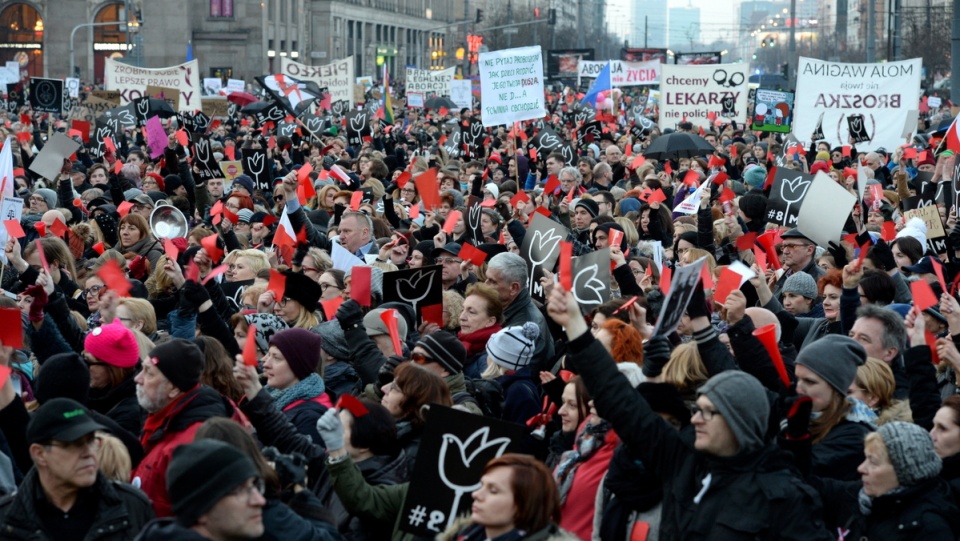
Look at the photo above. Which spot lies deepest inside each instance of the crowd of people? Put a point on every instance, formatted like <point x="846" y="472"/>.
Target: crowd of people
<point x="200" y="386"/>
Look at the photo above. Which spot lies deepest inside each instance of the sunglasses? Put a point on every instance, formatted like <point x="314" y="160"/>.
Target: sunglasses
<point x="420" y="358"/>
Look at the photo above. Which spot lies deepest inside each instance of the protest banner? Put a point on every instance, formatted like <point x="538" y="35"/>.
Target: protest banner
<point x="689" y="59"/>
<point x="562" y="63"/>
<point x="132" y="82"/>
<point x="696" y="93"/>
<point x="827" y="205"/>
<point x="787" y="195"/>
<point x="46" y="95"/>
<point x="678" y="297"/>
<point x="337" y="76"/>
<point x="623" y="73"/>
<point x="591" y="279"/>
<point x="511" y="85"/>
<point x="541" y="250"/>
<point x="429" y="81"/>
<point x="882" y="93"/>
<point x="456" y="447"/>
<point x="772" y="111"/>
<point x="460" y="93"/>
<point x="169" y="95"/>
<point x="420" y="288"/>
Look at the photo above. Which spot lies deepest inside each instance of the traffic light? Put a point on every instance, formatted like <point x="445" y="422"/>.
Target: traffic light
<point x="785" y="71"/>
<point x="552" y="16"/>
<point x="479" y="15"/>
<point x="536" y="13"/>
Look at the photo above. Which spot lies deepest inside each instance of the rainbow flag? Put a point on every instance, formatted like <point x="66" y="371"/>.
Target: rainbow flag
<point x="386" y="106"/>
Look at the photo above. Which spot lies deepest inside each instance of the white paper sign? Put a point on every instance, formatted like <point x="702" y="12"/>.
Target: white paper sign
<point x="212" y="86"/>
<point x="461" y="93"/>
<point x="72" y="87"/>
<point x="338" y="76"/>
<point x="933" y="101"/>
<point x="414" y="99"/>
<point x="132" y="82"/>
<point x="623" y="73"/>
<point x="10" y="209"/>
<point x="882" y="93"/>
<point x="235" y="85"/>
<point x="825" y="210"/>
<point x="429" y="81"/>
<point x="691" y="204"/>
<point x="695" y="91"/>
<point x="511" y="85"/>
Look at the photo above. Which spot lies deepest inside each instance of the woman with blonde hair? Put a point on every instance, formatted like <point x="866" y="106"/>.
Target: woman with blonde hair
<point x="325" y="197"/>
<point x="113" y="459"/>
<point x="874" y="386"/>
<point x="685" y="371"/>
<point x="137" y="315"/>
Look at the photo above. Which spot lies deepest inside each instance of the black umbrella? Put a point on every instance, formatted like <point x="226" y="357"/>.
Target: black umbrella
<point x="439" y="102"/>
<point x="678" y="145"/>
<point x="942" y="127"/>
<point x="161" y="108"/>
<point x="255" y="107"/>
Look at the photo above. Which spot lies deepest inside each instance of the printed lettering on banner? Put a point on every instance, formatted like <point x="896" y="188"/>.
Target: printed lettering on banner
<point x="429" y="82"/>
<point x="337" y="77"/>
<point x="461" y="93"/>
<point x="511" y="85"/>
<point x="132" y="82"/>
<point x="623" y="73"/>
<point x="883" y="94"/>
<point x="697" y="92"/>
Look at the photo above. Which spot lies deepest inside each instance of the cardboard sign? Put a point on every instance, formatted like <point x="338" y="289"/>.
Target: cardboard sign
<point x="787" y="195"/>
<point x="772" y="111"/>
<point x="49" y="161"/>
<point x="455" y="448"/>
<point x="692" y="92"/>
<point x="46" y="95"/>
<point x="169" y="95"/>
<point x="511" y="85"/>
<point x="590" y="274"/>
<point x="541" y="250"/>
<point x="826" y="210"/>
<point x="681" y="288"/>
<point x="419" y="288"/>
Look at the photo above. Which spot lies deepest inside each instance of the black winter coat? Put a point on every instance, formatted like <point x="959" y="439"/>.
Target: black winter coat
<point x="838" y="454"/>
<point x="120" y="404"/>
<point x="122" y="511"/>
<point x="923" y="511"/>
<point x="762" y="481"/>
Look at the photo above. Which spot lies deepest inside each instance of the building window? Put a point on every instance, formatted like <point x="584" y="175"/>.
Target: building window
<point x="221" y="8"/>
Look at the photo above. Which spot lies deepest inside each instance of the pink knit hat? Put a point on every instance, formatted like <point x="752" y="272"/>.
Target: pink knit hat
<point x="113" y="344"/>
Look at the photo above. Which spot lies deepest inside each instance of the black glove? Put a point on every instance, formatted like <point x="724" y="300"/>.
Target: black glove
<point x="291" y="469"/>
<point x="338" y="211"/>
<point x="385" y="374"/>
<point x="192" y="295"/>
<point x="798" y="417"/>
<point x="350" y="314"/>
<point x="698" y="303"/>
<point x="882" y="255"/>
<point x="839" y="254"/>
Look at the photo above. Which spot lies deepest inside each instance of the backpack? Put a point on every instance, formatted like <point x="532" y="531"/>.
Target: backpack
<point x="485" y="394"/>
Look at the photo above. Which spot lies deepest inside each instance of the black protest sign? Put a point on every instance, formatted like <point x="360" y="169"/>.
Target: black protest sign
<point x="255" y="165"/>
<point x="685" y="280"/>
<point x="16" y="97"/>
<point x="582" y="115"/>
<point x="569" y="154"/>
<point x="456" y="446"/>
<point x="141" y="110"/>
<point x="786" y="196"/>
<point x="205" y="161"/>
<point x="422" y="288"/>
<point x="340" y="107"/>
<point x="124" y="116"/>
<point x="313" y="123"/>
<point x="46" y="95"/>
<point x="358" y="127"/>
<point x="858" y="128"/>
<point x="591" y="279"/>
<point x="545" y="142"/>
<point x="103" y="129"/>
<point x="473" y="135"/>
<point x="271" y="113"/>
<point x="472" y="223"/>
<point x="541" y="250"/>
<point x="818" y="132"/>
<point x="589" y="133"/>
<point x="233" y="109"/>
<point x="286" y="129"/>
<point x="452" y="144"/>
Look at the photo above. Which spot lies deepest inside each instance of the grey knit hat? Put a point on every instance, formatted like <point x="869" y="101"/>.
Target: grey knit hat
<point x="911" y="452"/>
<point x="801" y="284"/>
<point x="334" y="342"/>
<point x="513" y="347"/>
<point x="446" y="349"/>
<point x="834" y="358"/>
<point x="742" y="402"/>
<point x="49" y="196"/>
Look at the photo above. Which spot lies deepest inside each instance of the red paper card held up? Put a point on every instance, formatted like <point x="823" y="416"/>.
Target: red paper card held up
<point x="615" y="237"/>
<point x="170" y="249"/>
<point x="277" y="284"/>
<point x="124" y="208"/>
<point x="473" y="254"/>
<point x="355" y="200"/>
<point x="360" y="278"/>
<point x="428" y="188"/>
<point x="43" y="257"/>
<point x="14" y="229"/>
<point x="403" y="179"/>
<point x="566" y="265"/>
<point x="923" y="296"/>
<point x="250" y="347"/>
<point x="114" y="278"/>
<point x="706" y="277"/>
<point x="209" y="244"/>
<point x="452" y="218"/>
<point x="433" y="314"/>
<point x="729" y="281"/>
<point x="11" y="328"/>
<point x="552" y="184"/>
<point x="657" y="196"/>
<point x="666" y="276"/>
<point x="389" y="318"/>
<point x="745" y="241"/>
<point x="330" y="306"/>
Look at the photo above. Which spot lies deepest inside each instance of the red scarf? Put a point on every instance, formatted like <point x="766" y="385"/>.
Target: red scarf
<point x="476" y="342"/>
<point x="158" y="421"/>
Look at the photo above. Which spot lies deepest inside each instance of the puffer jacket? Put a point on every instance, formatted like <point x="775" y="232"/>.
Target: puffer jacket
<point x="839" y="453"/>
<point x="122" y="511"/>
<point x="923" y="511"/>
<point x="464" y="528"/>
<point x="175" y="425"/>
<point x="781" y="507"/>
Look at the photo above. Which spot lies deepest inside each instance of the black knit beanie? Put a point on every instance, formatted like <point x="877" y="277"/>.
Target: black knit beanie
<point x="201" y="474"/>
<point x="64" y="375"/>
<point x="180" y="361"/>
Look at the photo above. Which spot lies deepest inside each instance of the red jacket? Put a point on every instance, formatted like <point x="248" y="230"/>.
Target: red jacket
<point x="169" y="428"/>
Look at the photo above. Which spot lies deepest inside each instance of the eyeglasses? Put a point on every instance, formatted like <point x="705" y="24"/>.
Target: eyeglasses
<point x="90" y="360"/>
<point x="92" y="442"/>
<point x="420" y="358"/>
<point x="325" y="287"/>
<point x="38" y="199"/>
<point x="446" y="260"/>
<point x="393" y="388"/>
<point x="283" y="302"/>
<point x="311" y="269"/>
<point x="706" y="413"/>
<point x="408" y="190"/>
<point x="793" y="246"/>
<point x="637" y="272"/>
<point x="246" y="490"/>
<point x="93" y="289"/>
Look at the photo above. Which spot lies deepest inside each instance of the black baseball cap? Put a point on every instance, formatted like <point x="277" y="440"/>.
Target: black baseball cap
<point x="61" y="419"/>
<point x="450" y="247"/>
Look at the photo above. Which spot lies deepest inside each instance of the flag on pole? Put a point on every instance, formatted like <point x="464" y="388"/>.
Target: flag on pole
<point x="603" y="83"/>
<point x="293" y="94"/>
<point x="387" y="106"/>
<point x="189" y="50"/>
<point x="7" y="183"/>
<point x="951" y="139"/>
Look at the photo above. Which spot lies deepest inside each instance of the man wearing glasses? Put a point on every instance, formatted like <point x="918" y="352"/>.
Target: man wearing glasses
<point x="449" y="258"/>
<point x="798" y="256"/>
<point x="64" y="496"/>
<point x="217" y="493"/>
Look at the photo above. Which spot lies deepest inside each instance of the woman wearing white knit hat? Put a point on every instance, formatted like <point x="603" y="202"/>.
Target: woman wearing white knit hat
<point x="508" y="363"/>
